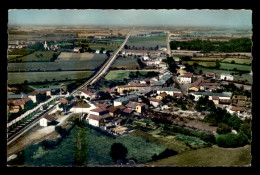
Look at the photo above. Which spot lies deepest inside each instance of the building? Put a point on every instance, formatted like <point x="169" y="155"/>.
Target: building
<point x="210" y="75"/>
<point x="235" y="109"/>
<point x="132" y="87"/>
<point x="17" y="104"/>
<point x="161" y="96"/>
<point x="221" y="96"/>
<point x="155" y="102"/>
<point x="115" y="110"/>
<point x="125" y="100"/>
<point x="168" y="90"/>
<point x="36" y="95"/>
<point x="241" y="100"/>
<point x="225" y="76"/>
<point x="86" y="94"/>
<point x="185" y="78"/>
<point x="64" y="101"/>
<point x="76" y="49"/>
<point x="46" y="120"/>
<point x="195" y="86"/>
<point x="163" y="81"/>
<point x="140" y="108"/>
<point x="99" y="111"/>
<point x="127" y="112"/>
<point x="95" y="120"/>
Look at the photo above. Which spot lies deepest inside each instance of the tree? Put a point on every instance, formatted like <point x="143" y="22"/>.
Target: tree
<point x="223" y="128"/>
<point x="118" y="151"/>
<point x="217" y="64"/>
<point x="234" y="122"/>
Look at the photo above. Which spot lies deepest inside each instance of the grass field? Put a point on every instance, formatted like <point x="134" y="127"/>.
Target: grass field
<point x="98" y="46"/>
<point x="121" y="74"/>
<point x="128" y="63"/>
<point x="89" y="147"/>
<point x="228" y="66"/>
<point x="237" y="61"/>
<point x="205" y="59"/>
<point x="14" y="78"/>
<point x="212" y="157"/>
<point x="38" y="56"/>
<point x="201" y="63"/>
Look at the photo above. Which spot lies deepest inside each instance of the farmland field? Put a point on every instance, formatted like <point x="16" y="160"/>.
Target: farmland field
<point x="237" y="66"/>
<point x="42" y="76"/>
<point x="69" y="56"/>
<point x="90" y="147"/>
<point x="149" y="41"/>
<point x="121" y="74"/>
<point x="128" y="63"/>
<point x="57" y="65"/>
<point x="213" y="156"/>
<point x="39" y="56"/>
<point x="98" y="46"/>
<point x="206" y="59"/>
<point x="237" y="60"/>
<point x="202" y="63"/>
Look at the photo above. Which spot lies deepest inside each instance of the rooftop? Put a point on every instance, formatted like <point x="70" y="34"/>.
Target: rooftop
<point x="154" y="99"/>
<point x="15" y="96"/>
<point x="64" y="101"/>
<point x="48" y="117"/>
<point x="223" y="94"/>
<point x="95" y="117"/>
<point x="121" y="99"/>
<point x="169" y="89"/>
<point x="99" y="110"/>
<point x="128" y="110"/>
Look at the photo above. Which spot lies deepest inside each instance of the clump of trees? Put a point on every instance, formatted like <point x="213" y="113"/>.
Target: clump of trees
<point x="166" y="153"/>
<point x="233" y="45"/>
<point x="171" y="64"/>
<point x="118" y="151"/>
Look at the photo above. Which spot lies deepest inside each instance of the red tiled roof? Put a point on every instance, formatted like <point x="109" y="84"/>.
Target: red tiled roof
<point x="99" y="109"/>
<point x="177" y="94"/>
<point x="64" y="101"/>
<point x="127" y="110"/>
<point x="112" y="109"/>
<point x="26" y="99"/>
<point x="48" y="117"/>
<point x="94" y="117"/>
<point x="236" y="108"/>
<point x="18" y="102"/>
<point x="101" y="105"/>
<point x="120" y="107"/>
<point x="119" y="120"/>
<point x="154" y="99"/>
<point x="188" y="75"/>
<point x="86" y="92"/>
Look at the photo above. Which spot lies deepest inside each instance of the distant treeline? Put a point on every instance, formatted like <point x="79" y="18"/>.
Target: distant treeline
<point x="233" y="45"/>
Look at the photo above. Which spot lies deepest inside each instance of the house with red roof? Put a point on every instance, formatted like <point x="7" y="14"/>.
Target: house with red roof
<point x="185" y="78"/>
<point x="86" y="94"/>
<point x="46" y="120"/>
<point x="96" y="120"/>
<point x="99" y="111"/>
<point x="64" y="101"/>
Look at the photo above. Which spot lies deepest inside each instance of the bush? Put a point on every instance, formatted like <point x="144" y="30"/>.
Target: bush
<point x="232" y="140"/>
<point x="223" y="128"/>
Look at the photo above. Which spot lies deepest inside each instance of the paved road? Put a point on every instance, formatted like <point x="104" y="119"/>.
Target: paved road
<point x="168" y="43"/>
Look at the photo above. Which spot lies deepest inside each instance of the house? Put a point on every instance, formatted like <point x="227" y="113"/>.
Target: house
<point x="115" y="110"/>
<point x="210" y="75"/>
<point x="235" y="109"/>
<point x="168" y="90"/>
<point x="76" y="49"/>
<point x="225" y="76"/>
<point x="127" y="112"/>
<point x="161" y="96"/>
<point x="16" y="96"/>
<point x="119" y="122"/>
<point x="155" y="102"/>
<point x="86" y="94"/>
<point x="95" y="120"/>
<point x="46" y="90"/>
<point x="36" y="95"/>
<point x="241" y="100"/>
<point x="80" y="107"/>
<point x="111" y="91"/>
<point x="178" y="95"/>
<point x="195" y="86"/>
<point x="215" y="100"/>
<point x="46" y="120"/>
<point x="101" y="105"/>
<point x="99" y="111"/>
<point x="185" y="78"/>
<point x="140" y="108"/>
<point x="131" y="105"/>
<point x="125" y="100"/>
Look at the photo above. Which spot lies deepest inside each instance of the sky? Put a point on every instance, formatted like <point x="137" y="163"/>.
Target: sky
<point x="132" y="17"/>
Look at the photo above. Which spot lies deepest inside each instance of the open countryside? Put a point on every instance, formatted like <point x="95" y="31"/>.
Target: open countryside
<point x="117" y="93"/>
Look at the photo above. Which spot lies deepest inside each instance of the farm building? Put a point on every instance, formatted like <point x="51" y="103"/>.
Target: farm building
<point x="125" y="100"/>
<point x="132" y="87"/>
<point x="185" y="78"/>
<point x="46" y="120"/>
<point x="221" y="96"/>
<point x="95" y="120"/>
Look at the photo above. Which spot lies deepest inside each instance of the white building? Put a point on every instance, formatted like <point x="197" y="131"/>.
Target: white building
<point x="46" y="120"/>
<point x="146" y="58"/>
<point x="94" y="120"/>
<point x="86" y="94"/>
<point x="185" y="78"/>
<point x="168" y="90"/>
<point x="155" y="102"/>
<point x="224" y="76"/>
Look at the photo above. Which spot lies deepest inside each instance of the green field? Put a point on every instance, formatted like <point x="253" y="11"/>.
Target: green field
<point x="228" y="66"/>
<point x="38" y="56"/>
<point x="237" y="61"/>
<point x="202" y="63"/>
<point x="89" y="147"/>
<point x="127" y="62"/>
<point x="212" y="157"/>
<point x="121" y="74"/>
<point x="14" y="78"/>
<point x="98" y="46"/>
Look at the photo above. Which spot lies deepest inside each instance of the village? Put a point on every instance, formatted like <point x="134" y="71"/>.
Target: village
<point x="109" y="108"/>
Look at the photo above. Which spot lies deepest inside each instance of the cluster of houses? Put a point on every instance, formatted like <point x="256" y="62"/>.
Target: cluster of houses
<point x="19" y="101"/>
<point x="19" y="44"/>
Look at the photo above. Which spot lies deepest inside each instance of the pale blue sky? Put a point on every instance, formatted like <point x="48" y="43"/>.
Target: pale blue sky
<point x="222" y="18"/>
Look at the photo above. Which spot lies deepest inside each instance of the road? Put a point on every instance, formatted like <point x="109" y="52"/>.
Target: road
<point x="168" y="43"/>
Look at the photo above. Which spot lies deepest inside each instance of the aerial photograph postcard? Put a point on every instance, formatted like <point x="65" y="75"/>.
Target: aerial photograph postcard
<point x="129" y="88"/>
